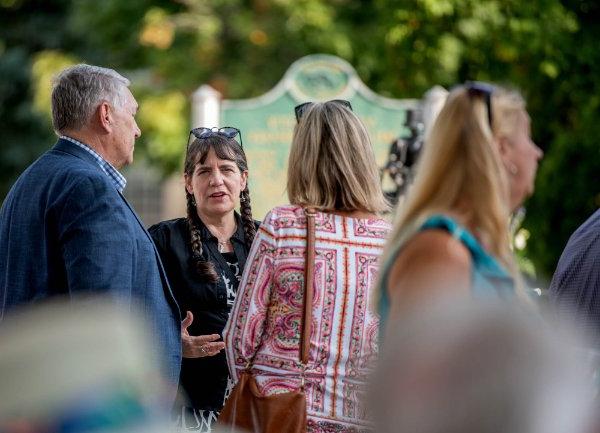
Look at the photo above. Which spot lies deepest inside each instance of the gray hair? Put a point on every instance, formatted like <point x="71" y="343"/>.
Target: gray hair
<point x="79" y="89"/>
<point x="459" y="366"/>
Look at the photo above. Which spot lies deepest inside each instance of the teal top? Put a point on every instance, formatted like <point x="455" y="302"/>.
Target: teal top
<point x="488" y="278"/>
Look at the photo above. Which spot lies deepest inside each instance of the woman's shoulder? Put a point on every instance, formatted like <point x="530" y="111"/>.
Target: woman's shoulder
<point x="375" y="221"/>
<point x="287" y="211"/>
<point x="430" y="260"/>
<point x="283" y="215"/>
<point x="457" y="230"/>
<point x="441" y="221"/>
<point x="284" y="220"/>
<point x="164" y="229"/>
<point x="436" y="244"/>
<point x="429" y="239"/>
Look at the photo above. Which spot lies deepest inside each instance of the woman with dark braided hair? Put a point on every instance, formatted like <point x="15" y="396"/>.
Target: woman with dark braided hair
<point x="204" y="255"/>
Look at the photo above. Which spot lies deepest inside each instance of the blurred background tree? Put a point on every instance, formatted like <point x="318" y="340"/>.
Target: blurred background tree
<point x="400" y="48"/>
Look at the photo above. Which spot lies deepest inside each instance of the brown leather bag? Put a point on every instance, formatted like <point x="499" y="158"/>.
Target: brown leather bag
<point x="246" y="410"/>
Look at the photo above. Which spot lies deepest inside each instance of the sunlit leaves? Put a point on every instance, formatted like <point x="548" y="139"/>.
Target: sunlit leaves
<point x="158" y="30"/>
<point x="163" y="119"/>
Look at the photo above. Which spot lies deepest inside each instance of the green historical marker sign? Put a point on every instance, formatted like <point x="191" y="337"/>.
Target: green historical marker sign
<point x="267" y="122"/>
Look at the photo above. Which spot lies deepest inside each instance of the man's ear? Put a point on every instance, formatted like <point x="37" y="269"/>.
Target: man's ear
<point x="104" y="113"/>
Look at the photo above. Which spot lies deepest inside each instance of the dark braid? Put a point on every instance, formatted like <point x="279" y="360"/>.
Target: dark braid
<point x="205" y="269"/>
<point x="247" y="220"/>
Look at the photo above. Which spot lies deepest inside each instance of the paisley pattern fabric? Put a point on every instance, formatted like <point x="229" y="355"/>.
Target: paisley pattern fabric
<point x="264" y="325"/>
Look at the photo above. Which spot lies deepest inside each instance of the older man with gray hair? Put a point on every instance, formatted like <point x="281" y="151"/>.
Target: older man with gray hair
<point x="65" y="227"/>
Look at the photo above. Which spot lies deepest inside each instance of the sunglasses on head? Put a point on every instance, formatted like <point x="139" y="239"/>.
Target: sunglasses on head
<point x="300" y="109"/>
<point x="485" y="90"/>
<point x="226" y="131"/>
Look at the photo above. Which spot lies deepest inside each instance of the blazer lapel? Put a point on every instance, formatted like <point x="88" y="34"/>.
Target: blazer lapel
<point x="163" y="274"/>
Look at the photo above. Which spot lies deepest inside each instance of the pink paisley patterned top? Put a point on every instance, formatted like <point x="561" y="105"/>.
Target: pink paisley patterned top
<point x="265" y="319"/>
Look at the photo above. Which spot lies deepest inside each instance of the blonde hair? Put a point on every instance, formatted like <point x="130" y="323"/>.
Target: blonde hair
<point x="331" y="164"/>
<point x="461" y="165"/>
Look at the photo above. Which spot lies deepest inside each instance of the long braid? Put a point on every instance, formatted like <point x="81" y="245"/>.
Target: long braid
<point x="205" y="269"/>
<point x="246" y="214"/>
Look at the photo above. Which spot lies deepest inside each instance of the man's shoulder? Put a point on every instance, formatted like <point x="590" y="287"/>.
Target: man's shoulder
<point x="56" y="173"/>
<point x="587" y="236"/>
<point x="56" y="165"/>
<point x="578" y="260"/>
<point x="167" y="232"/>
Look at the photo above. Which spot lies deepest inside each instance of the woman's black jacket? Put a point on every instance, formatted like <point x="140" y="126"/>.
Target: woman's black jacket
<point x="203" y="379"/>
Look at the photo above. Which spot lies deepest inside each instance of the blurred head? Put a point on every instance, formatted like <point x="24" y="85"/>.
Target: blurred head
<point x="79" y="365"/>
<point x="482" y="172"/>
<point x="518" y="153"/>
<point x="457" y="367"/>
<point x="97" y="99"/>
<point x="216" y="174"/>
<point x="331" y="164"/>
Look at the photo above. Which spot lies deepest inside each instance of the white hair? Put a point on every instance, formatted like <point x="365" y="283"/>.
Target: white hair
<point x="79" y="89"/>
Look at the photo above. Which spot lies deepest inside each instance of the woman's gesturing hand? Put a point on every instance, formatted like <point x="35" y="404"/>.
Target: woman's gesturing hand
<point x="198" y="346"/>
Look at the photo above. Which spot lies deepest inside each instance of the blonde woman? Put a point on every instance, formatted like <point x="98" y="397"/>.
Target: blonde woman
<point x="452" y="233"/>
<point x="331" y="168"/>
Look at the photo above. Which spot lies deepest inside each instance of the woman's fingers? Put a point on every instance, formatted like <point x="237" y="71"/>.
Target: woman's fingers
<point x="209" y="349"/>
<point x="189" y="318"/>
<point x="214" y="347"/>
<point x="202" y="345"/>
<point x="203" y="339"/>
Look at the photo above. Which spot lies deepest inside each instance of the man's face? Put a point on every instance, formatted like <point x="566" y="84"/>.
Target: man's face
<point x="125" y="131"/>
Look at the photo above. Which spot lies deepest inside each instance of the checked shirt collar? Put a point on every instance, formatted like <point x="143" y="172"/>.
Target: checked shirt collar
<point x="117" y="178"/>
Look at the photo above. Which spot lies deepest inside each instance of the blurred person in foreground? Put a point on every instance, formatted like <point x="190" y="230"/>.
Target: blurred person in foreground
<point x="204" y="255"/>
<point x="452" y="233"/>
<point x="575" y="288"/>
<point x="457" y="366"/>
<point x="65" y="226"/>
<point x="79" y="366"/>
<point x="331" y="169"/>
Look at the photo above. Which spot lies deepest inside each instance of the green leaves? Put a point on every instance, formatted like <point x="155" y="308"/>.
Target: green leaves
<point x="400" y="48"/>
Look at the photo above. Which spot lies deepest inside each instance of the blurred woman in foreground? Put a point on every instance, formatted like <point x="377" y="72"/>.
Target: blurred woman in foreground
<point x="457" y="365"/>
<point x="452" y="233"/>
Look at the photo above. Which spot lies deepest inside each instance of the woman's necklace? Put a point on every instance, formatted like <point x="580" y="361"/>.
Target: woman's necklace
<point x="222" y="242"/>
<point x="222" y="245"/>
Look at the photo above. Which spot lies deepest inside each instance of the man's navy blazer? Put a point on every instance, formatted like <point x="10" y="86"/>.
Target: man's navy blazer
<point x="66" y="230"/>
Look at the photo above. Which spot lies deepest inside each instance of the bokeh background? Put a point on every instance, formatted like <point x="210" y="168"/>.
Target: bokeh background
<point x="549" y="49"/>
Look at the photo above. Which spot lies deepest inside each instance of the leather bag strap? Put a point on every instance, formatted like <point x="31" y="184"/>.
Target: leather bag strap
<point x="309" y="277"/>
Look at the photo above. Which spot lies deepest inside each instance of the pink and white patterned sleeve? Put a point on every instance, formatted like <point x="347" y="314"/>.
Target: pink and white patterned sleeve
<point x="244" y="329"/>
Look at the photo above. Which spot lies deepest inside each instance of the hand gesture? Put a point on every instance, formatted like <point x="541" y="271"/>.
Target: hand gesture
<point x="201" y="345"/>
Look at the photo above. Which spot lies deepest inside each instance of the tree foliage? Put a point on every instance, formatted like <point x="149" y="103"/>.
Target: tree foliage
<point x="400" y="48"/>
